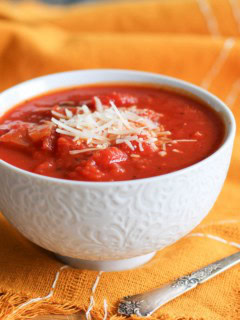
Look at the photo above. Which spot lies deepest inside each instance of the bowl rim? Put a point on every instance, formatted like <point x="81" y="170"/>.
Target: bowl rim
<point x="188" y="87"/>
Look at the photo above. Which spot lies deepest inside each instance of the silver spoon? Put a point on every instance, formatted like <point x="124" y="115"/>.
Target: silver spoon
<point x="145" y="304"/>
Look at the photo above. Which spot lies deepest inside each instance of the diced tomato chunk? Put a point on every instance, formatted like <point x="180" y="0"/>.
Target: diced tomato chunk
<point x="66" y="144"/>
<point x="90" y="171"/>
<point x="109" y="156"/>
<point x="17" y="137"/>
<point x="38" y="132"/>
<point x="117" y="169"/>
<point x="46" y="167"/>
<point x="49" y="142"/>
<point x="43" y="133"/>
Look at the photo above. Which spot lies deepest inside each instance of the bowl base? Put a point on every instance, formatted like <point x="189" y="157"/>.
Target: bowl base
<point x="107" y="265"/>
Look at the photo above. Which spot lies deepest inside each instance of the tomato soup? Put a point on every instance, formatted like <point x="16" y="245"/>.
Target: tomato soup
<point x="109" y="133"/>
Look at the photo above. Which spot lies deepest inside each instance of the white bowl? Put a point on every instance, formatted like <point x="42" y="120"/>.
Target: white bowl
<point x="111" y="225"/>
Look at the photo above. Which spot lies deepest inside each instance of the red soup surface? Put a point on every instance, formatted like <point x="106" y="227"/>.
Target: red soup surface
<point x="109" y="133"/>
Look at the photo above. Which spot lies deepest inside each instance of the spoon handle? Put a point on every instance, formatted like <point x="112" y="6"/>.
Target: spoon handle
<point x="146" y="303"/>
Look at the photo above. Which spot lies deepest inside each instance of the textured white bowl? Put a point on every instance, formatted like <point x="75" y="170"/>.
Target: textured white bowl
<point x="111" y="225"/>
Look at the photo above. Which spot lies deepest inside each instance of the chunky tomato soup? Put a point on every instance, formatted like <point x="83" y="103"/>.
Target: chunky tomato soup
<point x="109" y="133"/>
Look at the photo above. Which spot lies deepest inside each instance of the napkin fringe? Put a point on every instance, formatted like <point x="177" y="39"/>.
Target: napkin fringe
<point x="10" y="303"/>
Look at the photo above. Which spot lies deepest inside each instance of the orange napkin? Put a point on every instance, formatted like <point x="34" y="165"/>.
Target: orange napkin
<point x="196" y="40"/>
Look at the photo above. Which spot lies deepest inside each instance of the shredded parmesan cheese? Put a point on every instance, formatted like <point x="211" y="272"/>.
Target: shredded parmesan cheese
<point x="135" y="155"/>
<point x="112" y="125"/>
<point x="162" y="153"/>
<point x="176" y="150"/>
<point x="185" y="140"/>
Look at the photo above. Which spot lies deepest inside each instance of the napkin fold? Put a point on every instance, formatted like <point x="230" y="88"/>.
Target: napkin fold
<point x="195" y="40"/>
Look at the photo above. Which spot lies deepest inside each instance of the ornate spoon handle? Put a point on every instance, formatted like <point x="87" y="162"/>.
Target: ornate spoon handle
<point x="146" y="303"/>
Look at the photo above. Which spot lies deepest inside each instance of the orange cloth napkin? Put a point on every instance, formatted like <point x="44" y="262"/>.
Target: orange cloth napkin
<point x="196" y="40"/>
